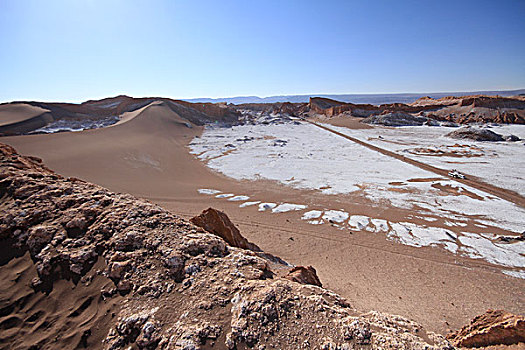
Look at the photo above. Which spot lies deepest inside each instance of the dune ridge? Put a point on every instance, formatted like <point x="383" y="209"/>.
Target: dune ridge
<point x="19" y="117"/>
<point x="15" y="120"/>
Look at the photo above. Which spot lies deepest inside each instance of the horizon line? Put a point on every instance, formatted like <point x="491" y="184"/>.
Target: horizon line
<point x="268" y="96"/>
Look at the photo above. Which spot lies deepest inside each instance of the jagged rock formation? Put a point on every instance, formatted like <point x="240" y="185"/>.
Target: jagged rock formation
<point x="287" y="108"/>
<point x="217" y="223"/>
<point x="495" y="327"/>
<point x="330" y="108"/>
<point x="304" y="275"/>
<point x="462" y="110"/>
<point x="156" y="280"/>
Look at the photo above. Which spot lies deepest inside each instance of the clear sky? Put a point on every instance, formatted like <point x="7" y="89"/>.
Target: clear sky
<point x="74" y="50"/>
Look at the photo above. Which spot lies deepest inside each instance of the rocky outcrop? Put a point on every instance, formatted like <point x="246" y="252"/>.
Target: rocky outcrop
<point x="476" y="134"/>
<point x="284" y="108"/>
<point x="331" y="108"/>
<point x="462" y="110"/>
<point x="495" y="327"/>
<point x="395" y="119"/>
<point x="172" y="284"/>
<point x="304" y="275"/>
<point x="218" y="223"/>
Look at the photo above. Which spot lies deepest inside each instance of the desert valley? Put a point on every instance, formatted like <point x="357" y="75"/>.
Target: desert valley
<point x="328" y="218"/>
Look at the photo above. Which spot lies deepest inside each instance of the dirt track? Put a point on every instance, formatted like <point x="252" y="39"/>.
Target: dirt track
<point x="470" y="180"/>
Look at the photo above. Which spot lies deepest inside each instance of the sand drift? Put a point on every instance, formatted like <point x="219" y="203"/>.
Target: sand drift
<point x="304" y="156"/>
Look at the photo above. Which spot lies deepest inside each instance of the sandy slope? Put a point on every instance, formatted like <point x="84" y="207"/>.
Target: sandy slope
<point x="147" y="156"/>
<point x="18" y="112"/>
<point x="42" y="317"/>
<point x="133" y="155"/>
<point x="22" y="117"/>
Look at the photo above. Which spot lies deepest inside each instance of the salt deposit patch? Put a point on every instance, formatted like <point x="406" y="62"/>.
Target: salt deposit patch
<point x="208" y="191"/>
<point x="248" y="204"/>
<point x="316" y="222"/>
<point x="516" y="274"/>
<point x="420" y="236"/>
<point x="380" y="225"/>
<point x="224" y="195"/>
<point x="284" y="207"/>
<point x="76" y="125"/>
<point x="312" y="214"/>
<point x="335" y="216"/>
<point x="487" y="209"/>
<point x="312" y="157"/>
<point x="469" y="244"/>
<point x="499" y="163"/>
<point x="506" y="254"/>
<point x="455" y="223"/>
<point x="238" y="198"/>
<point x="358" y="222"/>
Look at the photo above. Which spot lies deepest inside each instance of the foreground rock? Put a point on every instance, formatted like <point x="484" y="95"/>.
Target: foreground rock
<point x="157" y="281"/>
<point x="304" y="275"/>
<point x="495" y="327"/>
<point x="217" y="223"/>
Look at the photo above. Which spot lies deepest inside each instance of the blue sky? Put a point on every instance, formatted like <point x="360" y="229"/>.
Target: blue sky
<point x="74" y="50"/>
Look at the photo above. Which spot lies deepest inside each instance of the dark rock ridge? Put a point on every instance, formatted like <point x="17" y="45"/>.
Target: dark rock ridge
<point x="396" y="119"/>
<point x="173" y="285"/>
<point x="476" y="134"/>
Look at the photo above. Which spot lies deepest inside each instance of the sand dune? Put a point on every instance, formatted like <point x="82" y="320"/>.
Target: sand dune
<point x="19" y="118"/>
<point x="25" y="117"/>
<point x="144" y="152"/>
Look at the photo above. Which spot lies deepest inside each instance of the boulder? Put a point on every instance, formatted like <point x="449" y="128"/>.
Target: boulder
<point x="218" y="223"/>
<point x="396" y="119"/>
<point x="476" y="134"/>
<point x="512" y="138"/>
<point x="495" y="327"/>
<point x="39" y="237"/>
<point x="304" y="275"/>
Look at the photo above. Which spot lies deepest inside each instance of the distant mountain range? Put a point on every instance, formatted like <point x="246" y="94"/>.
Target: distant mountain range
<point x="375" y="99"/>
